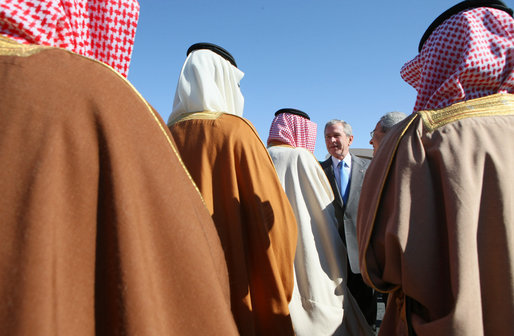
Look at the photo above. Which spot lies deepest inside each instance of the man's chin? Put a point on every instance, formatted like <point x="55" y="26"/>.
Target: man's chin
<point x="337" y="155"/>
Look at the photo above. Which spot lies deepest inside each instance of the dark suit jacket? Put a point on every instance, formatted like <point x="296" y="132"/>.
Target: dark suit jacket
<point x="347" y="213"/>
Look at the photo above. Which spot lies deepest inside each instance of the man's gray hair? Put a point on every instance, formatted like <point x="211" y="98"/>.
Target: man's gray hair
<point x="346" y="126"/>
<point x="390" y="119"/>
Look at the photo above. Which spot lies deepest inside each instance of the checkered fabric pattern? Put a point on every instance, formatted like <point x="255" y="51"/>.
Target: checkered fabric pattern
<point x="103" y="30"/>
<point x="470" y="55"/>
<point x="293" y="130"/>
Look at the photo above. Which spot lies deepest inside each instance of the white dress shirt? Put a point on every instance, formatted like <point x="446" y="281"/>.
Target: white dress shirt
<point x="348" y="160"/>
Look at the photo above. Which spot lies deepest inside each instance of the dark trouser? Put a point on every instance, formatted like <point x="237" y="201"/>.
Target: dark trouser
<point x="364" y="296"/>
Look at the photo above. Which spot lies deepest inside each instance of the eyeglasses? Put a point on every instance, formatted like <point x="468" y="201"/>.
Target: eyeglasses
<point x="372" y="133"/>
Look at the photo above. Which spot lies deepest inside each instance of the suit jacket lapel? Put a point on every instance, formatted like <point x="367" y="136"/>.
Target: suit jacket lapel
<point x="356" y="177"/>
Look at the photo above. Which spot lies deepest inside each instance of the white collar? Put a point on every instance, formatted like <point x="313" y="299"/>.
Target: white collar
<point x="347" y="159"/>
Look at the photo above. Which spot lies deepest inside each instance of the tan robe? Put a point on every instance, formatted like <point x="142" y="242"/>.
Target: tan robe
<point x="256" y="224"/>
<point x="436" y="221"/>
<point x="102" y="231"/>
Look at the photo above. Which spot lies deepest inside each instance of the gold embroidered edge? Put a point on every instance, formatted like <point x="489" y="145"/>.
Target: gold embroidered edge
<point x="215" y="115"/>
<point x="163" y="131"/>
<point x="195" y="116"/>
<point x="493" y="105"/>
<point x="10" y="47"/>
<point x="501" y="103"/>
<point x="278" y="144"/>
<point x="375" y="211"/>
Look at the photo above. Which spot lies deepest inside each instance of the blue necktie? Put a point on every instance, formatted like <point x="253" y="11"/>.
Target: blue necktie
<point x="343" y="180"/>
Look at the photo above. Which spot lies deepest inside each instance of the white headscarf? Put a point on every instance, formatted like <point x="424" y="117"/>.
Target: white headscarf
<point x="207" y="82"/>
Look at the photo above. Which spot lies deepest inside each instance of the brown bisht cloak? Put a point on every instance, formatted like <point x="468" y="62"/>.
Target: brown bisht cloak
<point x="255" y="222"/>
<point x="436" y="221"/>
<point x="102" y="230"/>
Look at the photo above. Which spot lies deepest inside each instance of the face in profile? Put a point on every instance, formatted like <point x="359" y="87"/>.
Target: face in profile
<point x="376" y="137"/>
<point x="336" y="140"/>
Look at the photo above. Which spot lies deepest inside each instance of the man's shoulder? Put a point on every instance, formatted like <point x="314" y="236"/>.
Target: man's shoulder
<point x="297" y="156"/>
<point x="223" y="124"/>
<point x="238" y="125"/>
<point x="326" y="163"/>
<point x="363" y="162"/>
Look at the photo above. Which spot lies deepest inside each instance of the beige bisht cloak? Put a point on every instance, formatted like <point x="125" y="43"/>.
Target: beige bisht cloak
<point x="255" y="222"/>
<point x="321" y="303"/>
<point x="436" y="221"/>
<point x="102" y="230"/>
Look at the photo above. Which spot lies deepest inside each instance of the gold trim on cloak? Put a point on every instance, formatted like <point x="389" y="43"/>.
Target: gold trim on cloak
<point x="207" y="115"/>
<point x="195" y="115"/>
<point x="10" y="47"/>
<point x="365" y="273"/>
<point x="500" y="104"/>
<point x="493" y="105"/>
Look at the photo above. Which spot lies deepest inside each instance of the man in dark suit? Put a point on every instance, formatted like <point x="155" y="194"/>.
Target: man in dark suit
<point x="345" y="173"/>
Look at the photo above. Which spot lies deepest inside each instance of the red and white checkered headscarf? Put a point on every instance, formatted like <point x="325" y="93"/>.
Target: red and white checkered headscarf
<point x="103" y="30"/>
<point x="470" y="55"/>
<point x="293" y="130"/>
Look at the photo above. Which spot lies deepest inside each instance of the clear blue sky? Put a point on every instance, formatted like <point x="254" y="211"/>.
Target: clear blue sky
<point x="331" y="59"/>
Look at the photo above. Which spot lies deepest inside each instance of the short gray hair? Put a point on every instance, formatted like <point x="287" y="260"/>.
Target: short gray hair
<point x="390" y="119"/>
<point x="346" y="126"/>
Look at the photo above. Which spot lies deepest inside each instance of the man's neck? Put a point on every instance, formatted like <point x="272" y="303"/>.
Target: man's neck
<point x="341" y="158"/>
<point x="277" y="143"/>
